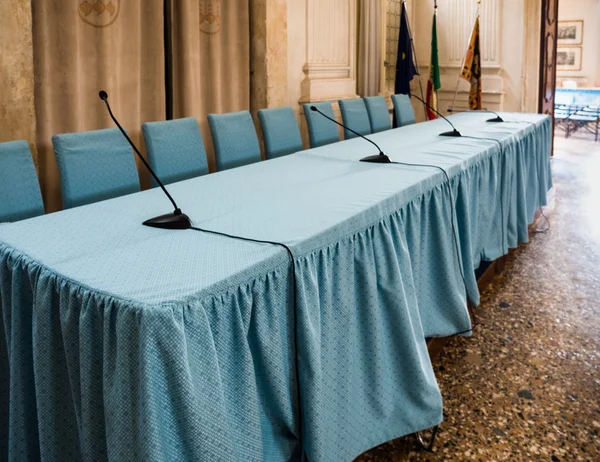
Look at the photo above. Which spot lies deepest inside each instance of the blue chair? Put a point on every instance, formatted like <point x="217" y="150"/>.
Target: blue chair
<point x="320" y="130"/>
<point x="280" y="131"/>
<point x="355" y="116"/>
<point x="94" y="166"/>
<point x="175" y="150"/>
<point x="20" y="195"/>
<point x="403" y="110"/>
<point x="379" y="115"/>
<point x="235" y="140"/>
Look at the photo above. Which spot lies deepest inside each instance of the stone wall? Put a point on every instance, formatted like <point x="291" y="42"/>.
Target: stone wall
<point x="17" y="112"/>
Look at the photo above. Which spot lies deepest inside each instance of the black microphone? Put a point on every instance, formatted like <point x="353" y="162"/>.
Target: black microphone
<point x="454" y="132"/>
<point x="380" y="158"/>
<point x="495" y="119"/>
<point x="175" y="220"/>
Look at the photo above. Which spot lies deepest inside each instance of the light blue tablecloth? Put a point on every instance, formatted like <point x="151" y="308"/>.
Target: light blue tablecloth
<point x="124" y="342"/>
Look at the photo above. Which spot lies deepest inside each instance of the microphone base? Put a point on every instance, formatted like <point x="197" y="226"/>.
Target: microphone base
<point x="377" y="159"/>
<point x="496" y="119"/>
<point x="170" y="221"/>
<point x="453" y="133"/>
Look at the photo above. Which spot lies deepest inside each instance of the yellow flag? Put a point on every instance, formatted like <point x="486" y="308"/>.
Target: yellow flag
<point x="471" y="70"/>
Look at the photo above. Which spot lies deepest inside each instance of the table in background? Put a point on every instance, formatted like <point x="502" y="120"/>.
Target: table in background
<point x="122" y="342"/>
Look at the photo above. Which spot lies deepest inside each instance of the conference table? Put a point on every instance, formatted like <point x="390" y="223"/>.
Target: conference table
<point x="293" y="319"/>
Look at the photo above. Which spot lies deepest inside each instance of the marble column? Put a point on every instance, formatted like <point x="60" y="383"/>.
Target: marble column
<point x="269" y="65"/>
<point x="330" y="67"/>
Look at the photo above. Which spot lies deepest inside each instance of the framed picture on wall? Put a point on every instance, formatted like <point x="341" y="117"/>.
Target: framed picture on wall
<point x="570" y="32"/>
<point x="568" y="59"/>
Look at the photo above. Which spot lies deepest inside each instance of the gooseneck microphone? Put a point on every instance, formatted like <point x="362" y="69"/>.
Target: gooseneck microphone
<point x="380" y="158"/>
<point x="495" y="119"/>
<point x="175" y="220"/>
<point x="454" y="132"/>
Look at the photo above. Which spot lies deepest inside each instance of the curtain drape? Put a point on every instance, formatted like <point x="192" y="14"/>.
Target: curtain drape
<point x="211" y="60"/>
<point x="369" y="47"/>
<point x="81" y="47"/>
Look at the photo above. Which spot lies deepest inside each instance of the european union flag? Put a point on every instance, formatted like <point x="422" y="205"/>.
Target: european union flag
<point x="405" y="66"/>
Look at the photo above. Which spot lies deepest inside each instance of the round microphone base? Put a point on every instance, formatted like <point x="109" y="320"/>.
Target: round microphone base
<point x="170" y="221"/>
<point x="454" y="133"/>
<point x="377" y="159"/>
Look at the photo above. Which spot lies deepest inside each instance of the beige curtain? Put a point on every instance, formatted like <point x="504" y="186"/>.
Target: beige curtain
<point x="369" y="47"/>
<point x="81" y="47"/>
<point x="211" y="60"/>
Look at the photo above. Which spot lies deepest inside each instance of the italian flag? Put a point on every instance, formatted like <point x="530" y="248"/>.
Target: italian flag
<point x="433" y="84"/>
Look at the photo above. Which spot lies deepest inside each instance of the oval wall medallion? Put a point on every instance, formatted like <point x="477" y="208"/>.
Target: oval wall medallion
<point x="99" y="13"/>
<point x="210" y="16"/>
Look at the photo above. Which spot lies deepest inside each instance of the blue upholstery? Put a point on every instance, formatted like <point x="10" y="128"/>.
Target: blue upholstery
<point x="94" y="166"/>
<point x="20" y="195"/>
<point x="175" y="149"/>
<point x="320" y="130"/>
<point x="403" y="110"/>
<point x="379" y="115"/>
<point x="235" y="140"/>
<point x="280" y="131"/>
<point x="355" y="116"/>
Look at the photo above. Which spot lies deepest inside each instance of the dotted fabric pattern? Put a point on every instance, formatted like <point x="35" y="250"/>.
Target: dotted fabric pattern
<point x="122" y="342"/>
<point x="235" y="140"/>
<point x="355" y="116"/>
<point x="94" y="166"/>
<point x="19" y="188"/>
<point x="175" y="150"/>
<point x="405" y="115"/>
<point x="320" y="130"/>
<point x="379" y="115"/>
<point x="280" y="131"/>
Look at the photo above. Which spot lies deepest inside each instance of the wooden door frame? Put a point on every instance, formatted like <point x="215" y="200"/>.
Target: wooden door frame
<point x="548" y="49"/>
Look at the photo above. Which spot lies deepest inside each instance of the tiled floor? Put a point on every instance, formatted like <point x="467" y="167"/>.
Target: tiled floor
<point x="526" y="386"/>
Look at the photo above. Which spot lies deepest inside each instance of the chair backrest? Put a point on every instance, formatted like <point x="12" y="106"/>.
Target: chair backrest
<point x="175" y="149"/>
<point x="379" y="115"/>
<point x="94" y="166"/>
<point x="320" y="130"/>
<point x="355" y="116"/>
<point x="234" y="138"/>
<point x="403" y="110"/>
<point x="280" y="131"/>
<point x="20" y="195"/>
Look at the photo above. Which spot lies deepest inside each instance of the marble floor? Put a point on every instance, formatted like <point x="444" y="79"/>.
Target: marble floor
<point x="526" y="386"/>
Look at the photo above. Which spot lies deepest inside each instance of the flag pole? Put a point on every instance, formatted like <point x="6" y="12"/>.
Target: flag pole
<point x="458" y="77"/>
<point x="435" y="7"/>
<point x="416" y="61"/>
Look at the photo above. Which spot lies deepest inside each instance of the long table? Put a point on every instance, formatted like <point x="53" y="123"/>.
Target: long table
<point x="122" y="342"/>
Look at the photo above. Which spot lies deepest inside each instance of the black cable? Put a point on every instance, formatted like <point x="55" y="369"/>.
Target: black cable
<point x="543" y="231"/>
<point x="294" y="303"/>
<point x="520" y="122"/>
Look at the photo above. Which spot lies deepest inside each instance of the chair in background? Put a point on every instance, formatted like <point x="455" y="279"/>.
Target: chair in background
<point x="94" y="166"/>
<point x="355" y="116"/>
<point x="280" y="131"/>
<point x="379" y="115"/>
<point x="320" y="130"/>
<point x="175" y="149"/>
<point x="20" y="195"/>
<point x="234" y="138"/>
<point x="403" y="110"/>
